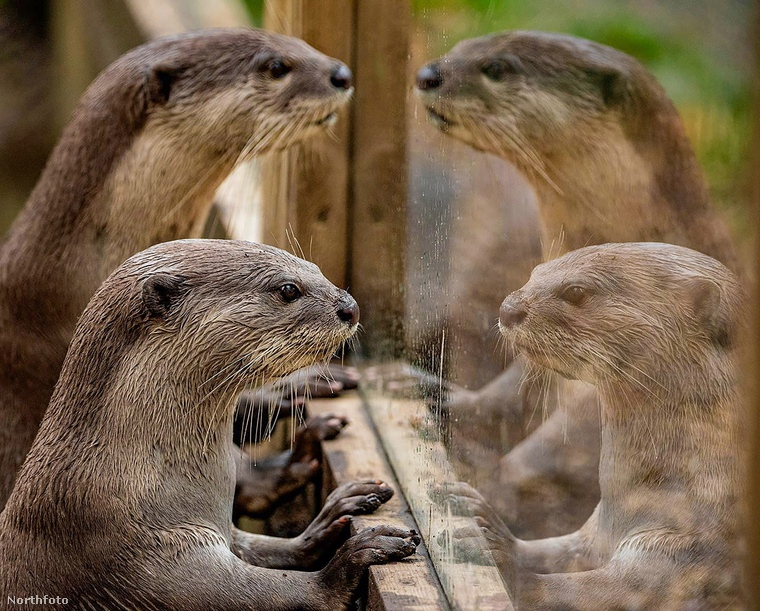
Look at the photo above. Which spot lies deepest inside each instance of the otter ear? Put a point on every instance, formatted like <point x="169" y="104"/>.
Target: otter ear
<point x="711" y="312"/>
<point x="161" y="80"/>
<point x="161" y="293"/>
<point x="612" y="83"/>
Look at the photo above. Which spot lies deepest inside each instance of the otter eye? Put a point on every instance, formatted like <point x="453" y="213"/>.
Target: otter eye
<point x="278" y="69"/>
<point x="499" y="69"/>
<point x="574" y="295"/>
<point x="290" y="292"/>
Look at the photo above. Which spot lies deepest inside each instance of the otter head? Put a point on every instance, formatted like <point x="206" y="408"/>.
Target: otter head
<point x="518" y="94"/>
<point x="230" y="313"/>
<point x="244" y="91"/>
<point x="629" y="313"/>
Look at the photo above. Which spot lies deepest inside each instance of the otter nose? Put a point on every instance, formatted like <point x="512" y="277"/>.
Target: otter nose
<point x="341" y="77"/>
<point x="429" y="77"/>
<point x="511" y="314"/>
<point x="349" y="312"/>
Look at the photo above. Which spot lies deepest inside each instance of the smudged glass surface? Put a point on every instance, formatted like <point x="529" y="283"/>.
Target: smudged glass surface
<point x="474" y="235"/>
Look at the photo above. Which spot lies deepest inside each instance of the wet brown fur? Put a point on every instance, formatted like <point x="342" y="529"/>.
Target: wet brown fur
<point x="125" y="499"/>
<point x="138" y="164"/>
<point x="657" y="333"/>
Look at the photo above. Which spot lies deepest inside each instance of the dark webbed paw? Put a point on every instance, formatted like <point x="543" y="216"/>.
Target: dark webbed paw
<point x="321" y="381"/>
<point x="263" y="487"/>
<point x="327" y="529"/>
<point x="376" y="545"/>
<point x="320" y="428"/>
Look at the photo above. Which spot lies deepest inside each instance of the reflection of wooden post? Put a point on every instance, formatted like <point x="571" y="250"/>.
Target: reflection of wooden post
<point x="753" y="370"/>
<point x="87" y="35"/>
<point x="306" y="190"/>
<point x="379" y="173"/>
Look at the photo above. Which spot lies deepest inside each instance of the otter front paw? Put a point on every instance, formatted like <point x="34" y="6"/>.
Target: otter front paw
<point x="324" y="533"/>
<point x="403" y="380"/>
<point x="376" y="545"/>
<point x="320" y="381"/>
<point x="478" y="544"/>
<point x="324" y="427"/>
<point x="452" y="402"/>
<point x="258" y="411"/>
<point x="261" y="488"/>
<point x="464" y="500"/>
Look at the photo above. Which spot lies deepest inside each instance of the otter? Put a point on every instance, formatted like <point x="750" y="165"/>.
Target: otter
<point x="150" y="141"/>
<point x="656" y="328"/>
<point x="125" y="498"/>
<point x="593" y="132"/>
<point x="263" y="486"/>
<point x="606" y="154"/>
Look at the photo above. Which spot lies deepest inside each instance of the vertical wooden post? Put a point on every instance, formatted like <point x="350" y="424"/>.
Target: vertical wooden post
<point x="753" y="368"/>
<point x="306" y="190"/>
<point x="74" y="64"/>
<point x="345" y="197"/>
<point x="379" y="172"/>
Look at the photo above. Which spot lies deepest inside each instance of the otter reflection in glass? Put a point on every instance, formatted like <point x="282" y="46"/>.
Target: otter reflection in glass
<point x="605" y="151"/>
<point x="656" y="328"/>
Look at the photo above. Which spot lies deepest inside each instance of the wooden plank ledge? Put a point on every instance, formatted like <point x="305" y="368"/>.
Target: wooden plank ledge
<point x="420" y="462"/>
<point x="356" y="454"/>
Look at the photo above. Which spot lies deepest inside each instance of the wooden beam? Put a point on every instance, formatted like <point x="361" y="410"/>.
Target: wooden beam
<point x="379" y="172"/>
<point x="752" y="385"/>
<point x="356" y="454"/>
<point x="419" y="463"/>
<point x="169" y="17"/>
<point x="305" y="191"/>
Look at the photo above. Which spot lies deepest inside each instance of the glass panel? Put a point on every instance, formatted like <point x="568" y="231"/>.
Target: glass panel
<point x="582" y="147"/>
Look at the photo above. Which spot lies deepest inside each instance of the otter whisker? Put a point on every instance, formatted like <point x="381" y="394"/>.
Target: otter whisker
<point x="220" y="407"/>
<point x="223" y="369"/>
<point x="223" y="382"/>
<point x="621" y="371"/>
<point x="291" y="237"/>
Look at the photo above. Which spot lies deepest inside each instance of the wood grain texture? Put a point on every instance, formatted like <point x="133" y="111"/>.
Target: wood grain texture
<point x="305" y="190"/>
<point x="343" y="196"/>
<point x="379" y="173"/>
<point x="406" y="431"/>
<point x="356" y="455"/>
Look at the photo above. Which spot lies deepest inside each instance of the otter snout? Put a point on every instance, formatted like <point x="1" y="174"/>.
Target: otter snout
<point x="511" y="313"/>
<point x="349" y="310"/>
<point x="341" y="77"/>
<point x="429" y="77"/>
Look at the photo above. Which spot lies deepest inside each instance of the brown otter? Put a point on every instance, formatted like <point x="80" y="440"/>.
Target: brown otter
<point x="126" y="496"/>
<point x="606" y="153"/>
<point x="594" y="133"/>
<point x="656" y="328"/>
<point x="149" y="143"/>
<point x="263" y="486"/>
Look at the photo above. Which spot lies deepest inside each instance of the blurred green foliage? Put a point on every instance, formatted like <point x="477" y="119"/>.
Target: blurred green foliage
<point x="255" y="10"/>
